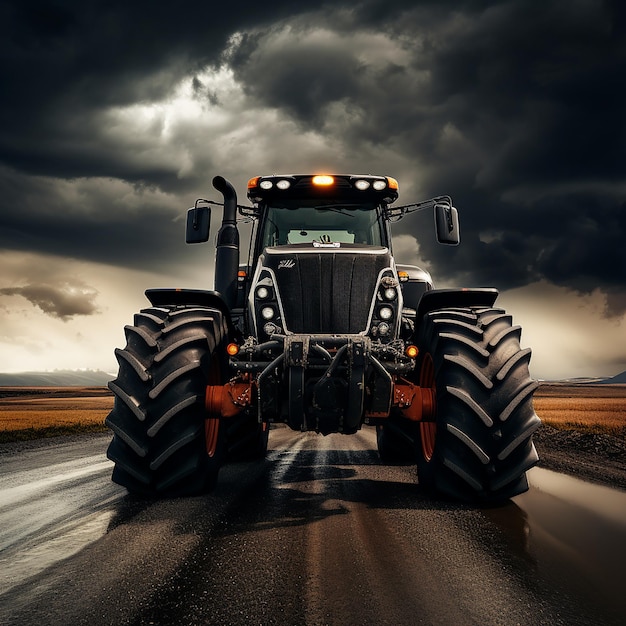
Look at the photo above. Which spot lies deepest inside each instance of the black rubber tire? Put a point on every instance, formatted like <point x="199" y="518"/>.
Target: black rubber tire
<point x="159" y="444"/>
<point x="396" y="441"/>
<point x="482" y="445"/>
<point x="247" y="439"/>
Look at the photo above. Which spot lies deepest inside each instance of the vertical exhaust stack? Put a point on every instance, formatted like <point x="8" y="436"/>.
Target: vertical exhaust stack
<point x="227" y="254"/>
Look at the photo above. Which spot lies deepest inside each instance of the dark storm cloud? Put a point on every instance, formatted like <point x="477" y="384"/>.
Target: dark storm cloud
<point x="103" y="221"/>
<point x="514" y="108"/>
<point x="63" y="301"/>
<point x="63" y="63"/>
<point x="301" y="77"/>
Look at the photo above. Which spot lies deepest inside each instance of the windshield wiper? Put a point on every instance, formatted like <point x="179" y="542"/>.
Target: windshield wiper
<point x="337" y="208"/>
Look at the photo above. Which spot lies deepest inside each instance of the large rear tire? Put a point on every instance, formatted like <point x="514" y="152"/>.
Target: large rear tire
<point x="162" y="443"/>
<point x="479" y="446"/>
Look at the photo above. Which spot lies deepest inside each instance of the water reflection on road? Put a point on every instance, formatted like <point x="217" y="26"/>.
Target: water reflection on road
<point x="52" y="506"/>
<point x="575" y="535"/>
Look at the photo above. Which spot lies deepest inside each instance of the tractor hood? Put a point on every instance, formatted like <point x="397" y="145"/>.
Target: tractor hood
<point x="323" y="288"/>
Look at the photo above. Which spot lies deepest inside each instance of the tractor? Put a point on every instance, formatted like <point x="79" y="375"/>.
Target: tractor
<point x="321" y="330"/>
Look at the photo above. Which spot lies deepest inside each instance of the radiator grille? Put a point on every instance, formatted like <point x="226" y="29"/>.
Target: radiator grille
<point x="327" y="292"/>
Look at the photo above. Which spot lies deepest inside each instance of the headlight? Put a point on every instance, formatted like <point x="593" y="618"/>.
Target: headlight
<point x="283" y="184"/>
<point x="362" y="185"/>
<point x="385" y="313"/>
<point x="267" y="313"/>
<point x="266" y="184"/>
<point x="390" y="294"/>
<point x="379" y="185"/>
<point x="262" y="293"/>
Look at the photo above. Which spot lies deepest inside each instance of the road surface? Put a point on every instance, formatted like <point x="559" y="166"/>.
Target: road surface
<point x="319" y="533"/>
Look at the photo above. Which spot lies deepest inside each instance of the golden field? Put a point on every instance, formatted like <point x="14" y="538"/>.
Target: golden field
<point x="584" y="407"/>
<point x="29" y="412"/>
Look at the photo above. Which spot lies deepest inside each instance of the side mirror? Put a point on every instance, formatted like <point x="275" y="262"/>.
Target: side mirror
<point x="198" y="224"/>
<point x="447" y="224"/>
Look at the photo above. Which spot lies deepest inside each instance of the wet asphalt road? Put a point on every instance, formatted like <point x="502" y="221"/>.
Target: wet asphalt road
<point x="319" y="533"/>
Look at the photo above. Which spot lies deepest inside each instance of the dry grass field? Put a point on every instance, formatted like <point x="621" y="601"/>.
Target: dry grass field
<point x="29" y="412"/>
<point x="583" y="407"/>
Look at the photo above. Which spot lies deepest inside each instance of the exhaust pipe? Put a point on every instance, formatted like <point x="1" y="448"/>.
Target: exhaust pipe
<point x="227" y="254"/>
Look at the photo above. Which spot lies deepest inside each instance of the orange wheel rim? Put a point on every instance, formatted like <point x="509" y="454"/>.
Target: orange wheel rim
<point x="212" y="424"/>
<point x="428" y="430"/>
<point x="211" y="431"/>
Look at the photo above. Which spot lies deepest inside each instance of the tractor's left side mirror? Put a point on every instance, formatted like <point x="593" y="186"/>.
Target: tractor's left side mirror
<point x="198" y="224"/>
<point x="447" y="224"/>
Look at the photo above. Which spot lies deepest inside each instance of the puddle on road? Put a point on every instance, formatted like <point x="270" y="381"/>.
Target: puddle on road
<point x="68" y="540"/>
<point x="608" y="504"/>
<point x="572" y="533"/>
<point x="14" y="495"/>
<point x="50" y="513"/>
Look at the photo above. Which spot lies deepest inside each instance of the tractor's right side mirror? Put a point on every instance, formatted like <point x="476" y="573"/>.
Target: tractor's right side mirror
<point x="447" y="224"/>
<point x="198" y="223"/>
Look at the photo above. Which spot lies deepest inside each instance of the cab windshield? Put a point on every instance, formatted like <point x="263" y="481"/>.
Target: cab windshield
<point x="328" y="224"/>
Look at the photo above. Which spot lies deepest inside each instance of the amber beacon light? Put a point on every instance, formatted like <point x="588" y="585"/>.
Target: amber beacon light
<point x="323" y="180"/>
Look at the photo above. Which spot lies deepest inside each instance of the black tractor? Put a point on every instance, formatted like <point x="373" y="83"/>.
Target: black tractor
<point x="322" y="330"/>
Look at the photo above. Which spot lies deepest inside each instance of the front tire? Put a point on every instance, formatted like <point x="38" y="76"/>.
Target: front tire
<point x="479" y="446"/>
<point x="162" y="443"/>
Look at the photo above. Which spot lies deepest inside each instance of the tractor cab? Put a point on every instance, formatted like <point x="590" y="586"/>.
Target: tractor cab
<point x="321" y="210"/>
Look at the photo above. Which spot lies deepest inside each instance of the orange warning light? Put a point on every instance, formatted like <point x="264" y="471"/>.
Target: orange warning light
<point x="411" y="351"/>
<point x="323" y="181"/>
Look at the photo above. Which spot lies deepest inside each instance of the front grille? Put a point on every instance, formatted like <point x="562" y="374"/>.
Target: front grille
<point x="327" y="292"/>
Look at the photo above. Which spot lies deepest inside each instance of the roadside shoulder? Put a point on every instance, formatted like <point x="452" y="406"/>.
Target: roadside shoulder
<point x="597" y="458"/>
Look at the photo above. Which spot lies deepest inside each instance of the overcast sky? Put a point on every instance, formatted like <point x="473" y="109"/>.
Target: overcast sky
<point x="116" y="115"/>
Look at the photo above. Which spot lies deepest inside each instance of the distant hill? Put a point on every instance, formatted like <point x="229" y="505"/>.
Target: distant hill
<point x="617" y="379"/>
<point x="58" y="378"/>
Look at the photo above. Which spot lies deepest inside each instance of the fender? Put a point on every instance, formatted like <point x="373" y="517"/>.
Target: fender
<point x="446" y="298"/>
<point x="200" y="297"/>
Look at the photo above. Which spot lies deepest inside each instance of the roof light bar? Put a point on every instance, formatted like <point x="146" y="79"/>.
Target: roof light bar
<point x="383" y="188"/>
